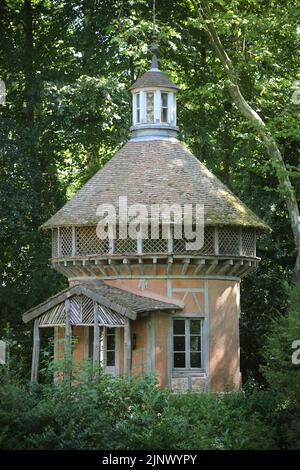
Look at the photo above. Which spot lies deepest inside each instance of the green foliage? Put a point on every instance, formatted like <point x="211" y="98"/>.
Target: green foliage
<point x="67" y="66"/>
<point x="128" y="414"/>
<point x="282" y="373"/>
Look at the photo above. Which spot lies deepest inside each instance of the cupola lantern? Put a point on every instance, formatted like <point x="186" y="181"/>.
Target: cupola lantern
<point x="154" y="104"/>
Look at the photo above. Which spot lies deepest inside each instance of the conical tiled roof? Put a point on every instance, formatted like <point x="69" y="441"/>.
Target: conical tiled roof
<point x="155" y="172"/>
<point x="154" y="79"/>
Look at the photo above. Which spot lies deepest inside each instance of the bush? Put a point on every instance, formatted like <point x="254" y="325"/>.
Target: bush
<point x="127" y="414"/>
<point x="282" y="375"/>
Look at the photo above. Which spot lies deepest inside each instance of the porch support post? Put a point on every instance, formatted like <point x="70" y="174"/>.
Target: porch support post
<point x="68" y="342"/>
<point x="35" y="352"/>
<point x="96" y="346"/>
<point x="127" y="347"/>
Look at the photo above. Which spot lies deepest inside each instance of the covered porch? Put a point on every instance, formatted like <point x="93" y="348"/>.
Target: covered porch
<point x="105" y="317"/>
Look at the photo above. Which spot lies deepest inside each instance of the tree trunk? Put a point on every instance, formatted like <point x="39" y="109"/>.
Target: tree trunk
<point x="257" y="122"/>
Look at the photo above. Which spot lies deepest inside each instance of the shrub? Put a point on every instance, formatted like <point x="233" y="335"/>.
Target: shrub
<point x="282" y="375"/>
<point x="126" y="414"/>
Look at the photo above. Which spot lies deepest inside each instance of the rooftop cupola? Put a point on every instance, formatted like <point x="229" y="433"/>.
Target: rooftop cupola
<point x="154" y="105"/>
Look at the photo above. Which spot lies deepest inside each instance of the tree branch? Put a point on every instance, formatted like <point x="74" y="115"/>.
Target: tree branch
<point x="257" y="122"/>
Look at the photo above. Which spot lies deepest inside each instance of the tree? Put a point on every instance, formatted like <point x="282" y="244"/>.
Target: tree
<point x="272" y="148"/>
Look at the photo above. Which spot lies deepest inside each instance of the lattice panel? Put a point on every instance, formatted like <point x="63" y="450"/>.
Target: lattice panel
<point x="66" y="241"/>
<point x="125" y="246"/>
<point x="81" y="313"/>
<point x="108" y="317"/>
<point x="87" y="242"/>
<point x="56" y="316"/>
<point x="179" y="246"/>
<point x="75" y="314"/>
<point x="208" y="246"/>
<point x="229" y="241"/>
<point x="54" y="243"/>
<point x="157" y="244"/>
<point x="248" y="242"/>
<point x="87" y="310"/>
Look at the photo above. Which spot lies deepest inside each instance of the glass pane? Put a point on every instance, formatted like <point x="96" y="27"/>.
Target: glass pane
<point x="138" y="100"/>
<point x="195" y="327"/>
<point x="150" y="107"/>
<point x="164" y="115"/>
<point x="91" y="341"/>
<point x="110" y="358"/>
<point x="195" y="343"/>
<point x="137" y="115"/>
<point x="195" y="359"/>
<point x="179" y="327"/>
<point x="179" y="359"/>
<point x="179" y="343"/>
<point x="110" y="342"/>
<point x="164" y="100"/>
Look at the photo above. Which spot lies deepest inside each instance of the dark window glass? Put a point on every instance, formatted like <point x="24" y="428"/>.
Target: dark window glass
<point x="195" y="359"/>
<point x="187" y="343"/>
<point x="195" y="343"/>
<point x="164" y="115"/>
<point x="195" y="327"/>
<point x="110" y="358"/>
<point x="110" y="342"/>
<point x="91" y="341"/>
<point x="179" y="327"/>
<point x="164" y="100"/>
<point x="179" y="343"/>
<point x="179" y="360"/>
<point x="110" y="347"/>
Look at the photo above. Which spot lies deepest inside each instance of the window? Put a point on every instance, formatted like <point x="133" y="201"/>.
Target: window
<point x="164" y="107"/>
<point x="110" y="346"/>
<point x="138" y="108"/>
<point x="187" y="343"/>
<point x="110" y="352"/>
<point x="150" y="106"/>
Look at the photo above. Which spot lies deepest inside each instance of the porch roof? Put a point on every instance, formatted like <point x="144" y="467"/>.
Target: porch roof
<point x="113" y="305"/>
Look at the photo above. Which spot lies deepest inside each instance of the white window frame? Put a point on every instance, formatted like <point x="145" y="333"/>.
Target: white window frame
<point x="138" y="108"/>
<point x="187" y="351"/>
<point x="164" y="107"/>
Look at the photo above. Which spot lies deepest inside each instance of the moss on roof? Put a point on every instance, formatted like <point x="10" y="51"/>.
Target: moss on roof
<point x="156" y="172"/>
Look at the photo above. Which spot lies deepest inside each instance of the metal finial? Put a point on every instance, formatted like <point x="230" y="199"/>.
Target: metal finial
<point x="153" y="48"/>
<point x="154" y="24"/>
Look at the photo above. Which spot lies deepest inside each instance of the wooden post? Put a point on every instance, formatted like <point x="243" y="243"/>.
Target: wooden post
<point x="127" y="347"/>
<point x="68" y="342"/>
<point x="35" y="352"/>
<point x="96" y="348"/>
